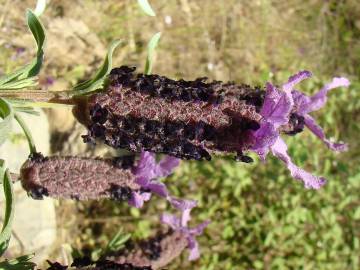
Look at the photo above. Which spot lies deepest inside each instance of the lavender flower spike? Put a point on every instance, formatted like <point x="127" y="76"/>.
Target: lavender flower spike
<point x="180" y="224"/>
<point x="146" y="172"/>
<point x="279" y="109"/>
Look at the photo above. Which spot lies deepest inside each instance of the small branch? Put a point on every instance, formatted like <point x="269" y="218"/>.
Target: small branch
<point x="59" y="97"/>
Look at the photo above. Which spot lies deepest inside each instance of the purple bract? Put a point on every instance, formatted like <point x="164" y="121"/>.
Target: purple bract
<point x="278" y="105"/>
<point x="146" y="172"/>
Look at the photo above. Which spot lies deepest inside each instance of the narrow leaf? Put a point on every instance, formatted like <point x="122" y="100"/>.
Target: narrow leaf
<point x="99" y="77"/>
<point x="9" y="212"/>
<point x="145" y="6"/>
<point x="118" y="241"/>
<point x="27" y="132"/>
<point x="150" y="52"/>
<point x="7" y="114"/>
<point x="33" y="68"/>
<point x="20" y="83"/>
<point x="22" y="106"/>
<point x="38" y="32"/>
<point x="40" y="7"/>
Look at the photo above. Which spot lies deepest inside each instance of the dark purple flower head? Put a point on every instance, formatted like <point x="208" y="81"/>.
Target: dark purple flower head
<point x="181" y="224"/>
<point x="279" y="105"/>
<point x="146" y="173"/>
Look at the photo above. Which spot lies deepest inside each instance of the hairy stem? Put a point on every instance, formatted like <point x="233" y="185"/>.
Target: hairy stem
<point x="58" y="97"/>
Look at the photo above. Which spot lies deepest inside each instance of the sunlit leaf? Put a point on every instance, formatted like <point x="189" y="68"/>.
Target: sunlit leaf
<point x="40" y="7"/>
<point x="20" y="83"/>
<point x="9" y="211"/>
<point x="7" y="114"/>
<point x="145" y="6"/>
<point x="150" y="52"/>
<point x="26" y="131"/>
<point x="100" y="76"/>
<point x="22" y="106"/>
<point x="22" y="77"/>
<point x="38" y="32"/>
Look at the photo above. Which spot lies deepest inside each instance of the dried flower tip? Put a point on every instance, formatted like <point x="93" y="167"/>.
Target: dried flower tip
<point x="156" y="252"/>
<point x="78" y="178"/>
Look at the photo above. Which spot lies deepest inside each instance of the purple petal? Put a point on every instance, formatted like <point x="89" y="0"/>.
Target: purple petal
<point x="301" y="102"/>
<point x="318" y="100"/>
<point x="137" y="199"/>
<point x="171" y="220"/>
<point x="198" y="230"/>
<point x="295" y="79"/>
<point x="279" y="149"/>
<point x="317" y="130"/>
<point x="277" y="106"/>
<point x="158" y="188"/>
<point x="167" y="165"/>
<point x="264" y="138"/>
<point x="194" y="248"/>
<point x="185" y="217"/>
<point x="146" y="168"/>
<point x="182" y="204"/>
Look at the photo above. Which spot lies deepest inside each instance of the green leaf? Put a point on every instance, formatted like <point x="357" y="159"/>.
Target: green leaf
<point x="22" y="106"/>
<point x="33" y="68"/>
<point x="150" y="52"/>
<point x="7" y="114"/>
<point x="27" y="132"/>
<point x="100" y="76"/>
<point x="38" y="32"/>
<point x="118" y="241"/>
<point x="20" y="263"/>
<point x="20" y="83"/>
<point x="9" y="212"/>
<point x="40" y="7"/>
<point x="145" y="6"/>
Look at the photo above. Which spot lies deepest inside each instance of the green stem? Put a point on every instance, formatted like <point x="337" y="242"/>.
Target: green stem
<point x="27" y="132"/>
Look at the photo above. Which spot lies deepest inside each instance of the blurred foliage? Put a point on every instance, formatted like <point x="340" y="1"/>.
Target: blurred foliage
<point x="261" y="218"/>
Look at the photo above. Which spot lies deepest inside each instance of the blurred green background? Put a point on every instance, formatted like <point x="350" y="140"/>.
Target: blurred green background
<point x="261" y="217"/>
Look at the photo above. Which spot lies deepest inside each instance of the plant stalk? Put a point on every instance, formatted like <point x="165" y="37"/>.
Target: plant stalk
<point x="58" y="97"/>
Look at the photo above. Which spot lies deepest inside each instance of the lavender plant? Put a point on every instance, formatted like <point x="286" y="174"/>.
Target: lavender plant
<point x="151" y="114"/>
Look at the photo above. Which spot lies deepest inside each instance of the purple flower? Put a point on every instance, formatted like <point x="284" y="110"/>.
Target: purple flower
<point x="276" y="110"/>
<point x="181" y="224"/>
<point x="146" y="172"/>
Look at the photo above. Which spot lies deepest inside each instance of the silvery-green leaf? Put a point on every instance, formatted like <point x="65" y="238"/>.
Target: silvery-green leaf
<point x="9" y="211"/>
<point x="20" y="83"/>
<point x="38" y="32"/>
<point x="22" y="106"/>
<point x="99" y="77"/>
<point x="26" y="131"/>
<point x="145" y="6"/>
<point x="40" y="7"/>
<point x="150" y="52"/>
<point x="33" y="68"/>
<point x="7" y="114"/>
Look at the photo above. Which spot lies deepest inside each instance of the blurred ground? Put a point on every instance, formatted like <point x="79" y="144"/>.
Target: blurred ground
<point x="262" y="219"/>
